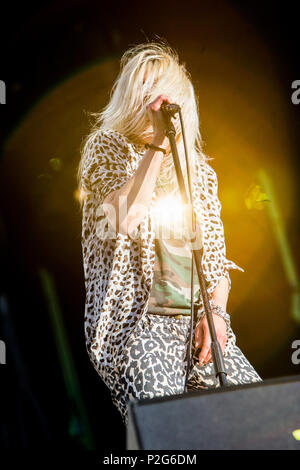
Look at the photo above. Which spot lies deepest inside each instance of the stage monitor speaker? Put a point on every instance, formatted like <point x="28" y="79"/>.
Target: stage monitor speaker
<point x="264" y="415"/>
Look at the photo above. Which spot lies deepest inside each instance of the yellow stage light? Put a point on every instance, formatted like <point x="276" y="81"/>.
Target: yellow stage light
<point x="79" y="195"/>
<point x="296" y="434"/>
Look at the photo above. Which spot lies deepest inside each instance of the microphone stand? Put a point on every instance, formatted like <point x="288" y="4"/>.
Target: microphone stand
<point x="169" y="111"/>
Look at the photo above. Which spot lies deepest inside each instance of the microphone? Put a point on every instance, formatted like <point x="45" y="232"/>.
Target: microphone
<point x="170" y="109"/>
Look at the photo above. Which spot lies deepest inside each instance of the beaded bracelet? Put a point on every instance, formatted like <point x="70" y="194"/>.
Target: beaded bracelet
<point x="217" y="310"/>
<point x="154" y="147"/>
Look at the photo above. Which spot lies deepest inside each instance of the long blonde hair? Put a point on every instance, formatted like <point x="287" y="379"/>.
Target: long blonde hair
<point x="146" y="71"/>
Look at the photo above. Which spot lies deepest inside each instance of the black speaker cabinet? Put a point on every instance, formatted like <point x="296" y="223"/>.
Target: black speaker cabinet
<point x="255" y="416"/>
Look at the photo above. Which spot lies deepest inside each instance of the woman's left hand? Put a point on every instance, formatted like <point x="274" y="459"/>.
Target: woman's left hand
<point x="203" y="340"/>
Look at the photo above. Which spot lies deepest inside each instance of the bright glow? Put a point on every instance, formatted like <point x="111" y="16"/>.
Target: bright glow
<point x="296" y="434"/>
<point x="79" y="195"/>
<point x="255" y="198"/>
<point x="170" y="217"/>
<point x="168" y="209"/>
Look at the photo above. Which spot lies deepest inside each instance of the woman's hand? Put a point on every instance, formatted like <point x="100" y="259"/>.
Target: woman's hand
<point x="203" y="340"/>
<point x="156" y="118"/>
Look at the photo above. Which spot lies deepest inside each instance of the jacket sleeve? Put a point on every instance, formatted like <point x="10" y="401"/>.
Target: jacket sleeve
<point x="214" y="261"/>
<point x="106" y="166"/>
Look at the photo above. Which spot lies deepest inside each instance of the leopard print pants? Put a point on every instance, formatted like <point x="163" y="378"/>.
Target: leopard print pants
<point x="153" y="363"/>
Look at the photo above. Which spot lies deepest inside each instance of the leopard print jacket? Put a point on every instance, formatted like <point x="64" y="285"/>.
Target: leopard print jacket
<point x="118" y="270"/>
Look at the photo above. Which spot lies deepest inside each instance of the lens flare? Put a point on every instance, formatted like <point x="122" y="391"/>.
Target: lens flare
<point x="171" y="217"/>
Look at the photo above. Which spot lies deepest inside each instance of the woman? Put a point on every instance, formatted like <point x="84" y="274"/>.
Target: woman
<point x="137" y="279"/>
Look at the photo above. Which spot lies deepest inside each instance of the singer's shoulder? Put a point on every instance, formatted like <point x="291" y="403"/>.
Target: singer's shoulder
<point x="207" y="172"/>
<point x="110" y="148"/>
<point x="105" y="139"/>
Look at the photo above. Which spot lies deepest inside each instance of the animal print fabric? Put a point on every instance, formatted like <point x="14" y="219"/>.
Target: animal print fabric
<point x="153" y="364"/>
<point x="119" y="269"/>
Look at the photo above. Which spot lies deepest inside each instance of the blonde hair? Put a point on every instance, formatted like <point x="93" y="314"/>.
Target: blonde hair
<point x="146" y="71"/>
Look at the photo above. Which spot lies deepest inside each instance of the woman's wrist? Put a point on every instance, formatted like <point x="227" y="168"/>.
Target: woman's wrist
<point x="155" y="148"/>
<point x="160" y="140"/>
<point x="219" y="311"/>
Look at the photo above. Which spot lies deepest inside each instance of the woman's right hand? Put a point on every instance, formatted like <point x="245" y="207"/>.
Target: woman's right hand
<point x="156" y="118"/>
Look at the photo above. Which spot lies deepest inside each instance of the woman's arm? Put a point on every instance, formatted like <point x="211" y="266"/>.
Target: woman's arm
<point x="221" y="292"/>
<point x="202" y="333"/>
<point x="131" y="202"/>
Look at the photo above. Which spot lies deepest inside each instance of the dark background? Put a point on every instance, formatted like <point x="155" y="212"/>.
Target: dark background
<point x="43" y="44"/>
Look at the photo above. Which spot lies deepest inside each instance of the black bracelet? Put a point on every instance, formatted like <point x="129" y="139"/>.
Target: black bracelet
<point x="159" y="149"/>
